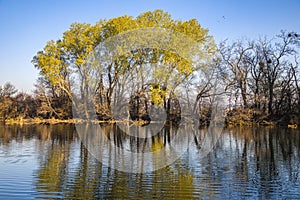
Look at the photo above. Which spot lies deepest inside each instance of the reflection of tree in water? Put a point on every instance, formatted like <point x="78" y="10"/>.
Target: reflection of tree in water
<point x="60" y="174"/>
<point x="120" y="138"/>
<point x="45" y="133"/>
<point x="57" y="139"/>
<point x="166" y="183"/>
<point x="89" y="179"/>
<point x="257" y="161"/>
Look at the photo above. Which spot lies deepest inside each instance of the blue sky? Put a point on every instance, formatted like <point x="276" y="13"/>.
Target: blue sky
<point x="26" y="25"/>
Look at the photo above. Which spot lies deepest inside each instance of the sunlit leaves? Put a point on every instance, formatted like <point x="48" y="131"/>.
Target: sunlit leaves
<point x="157" y="94"/>
<point x="129" y="46"/>
<point x="157" y="18"/>
<point x="51" y="62"/>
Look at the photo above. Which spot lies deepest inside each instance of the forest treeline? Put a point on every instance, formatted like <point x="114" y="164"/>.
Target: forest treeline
<point x="261" y="77"/>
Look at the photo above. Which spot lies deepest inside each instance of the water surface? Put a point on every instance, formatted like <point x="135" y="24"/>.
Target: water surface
<point x="49" y="161"/>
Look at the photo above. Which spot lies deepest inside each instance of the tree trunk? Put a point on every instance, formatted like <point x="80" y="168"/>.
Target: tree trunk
<point x="270" y="103"/>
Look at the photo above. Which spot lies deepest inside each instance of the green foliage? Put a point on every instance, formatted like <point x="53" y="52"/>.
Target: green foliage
<point x="70" y="55"/>
<point x="51" y="62"/>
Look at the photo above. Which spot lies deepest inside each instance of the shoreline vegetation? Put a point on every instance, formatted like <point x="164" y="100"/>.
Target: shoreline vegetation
<point x="258" y="79"/>
<point x="233" y="119"/>
<point x="49" y="121"/>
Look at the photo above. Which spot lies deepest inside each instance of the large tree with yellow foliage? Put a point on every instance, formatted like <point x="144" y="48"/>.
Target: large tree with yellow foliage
<point x="61" y="59"/>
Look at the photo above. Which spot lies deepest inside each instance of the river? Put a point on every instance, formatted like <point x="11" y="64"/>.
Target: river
<point x="52" y="161"/>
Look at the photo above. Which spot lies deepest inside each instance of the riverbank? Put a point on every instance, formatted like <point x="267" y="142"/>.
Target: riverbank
<point x="62" y="121"/>
<point x="252" y="117"/>
<point x="36" y="121"/>
<point x="48" y="121"/>
<point x="234" y="118"/>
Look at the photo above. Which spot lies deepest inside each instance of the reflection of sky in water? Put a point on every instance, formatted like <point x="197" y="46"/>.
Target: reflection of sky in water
<point x="238" y="167"/>
<point x="18" y="160"/>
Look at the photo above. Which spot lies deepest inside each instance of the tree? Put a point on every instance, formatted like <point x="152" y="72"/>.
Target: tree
<point x="7" y="103"/>
<point x="265" y="74"/>
<point x="236" y="58"/>
<point x="43" y="95"/>
<point x="274" y="62"/>
<point x="295" y="70"/>
<point x="70" y="59"/>
<point x="8" y="90"/>
<point x="26" y="106"/>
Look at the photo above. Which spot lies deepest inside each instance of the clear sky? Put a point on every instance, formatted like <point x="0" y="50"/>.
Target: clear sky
<point x="26" y="25"/>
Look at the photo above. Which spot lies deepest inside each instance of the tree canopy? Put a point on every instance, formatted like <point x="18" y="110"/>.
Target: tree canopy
<point x="149" y="59"/>
<point x="167" y="58"/>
